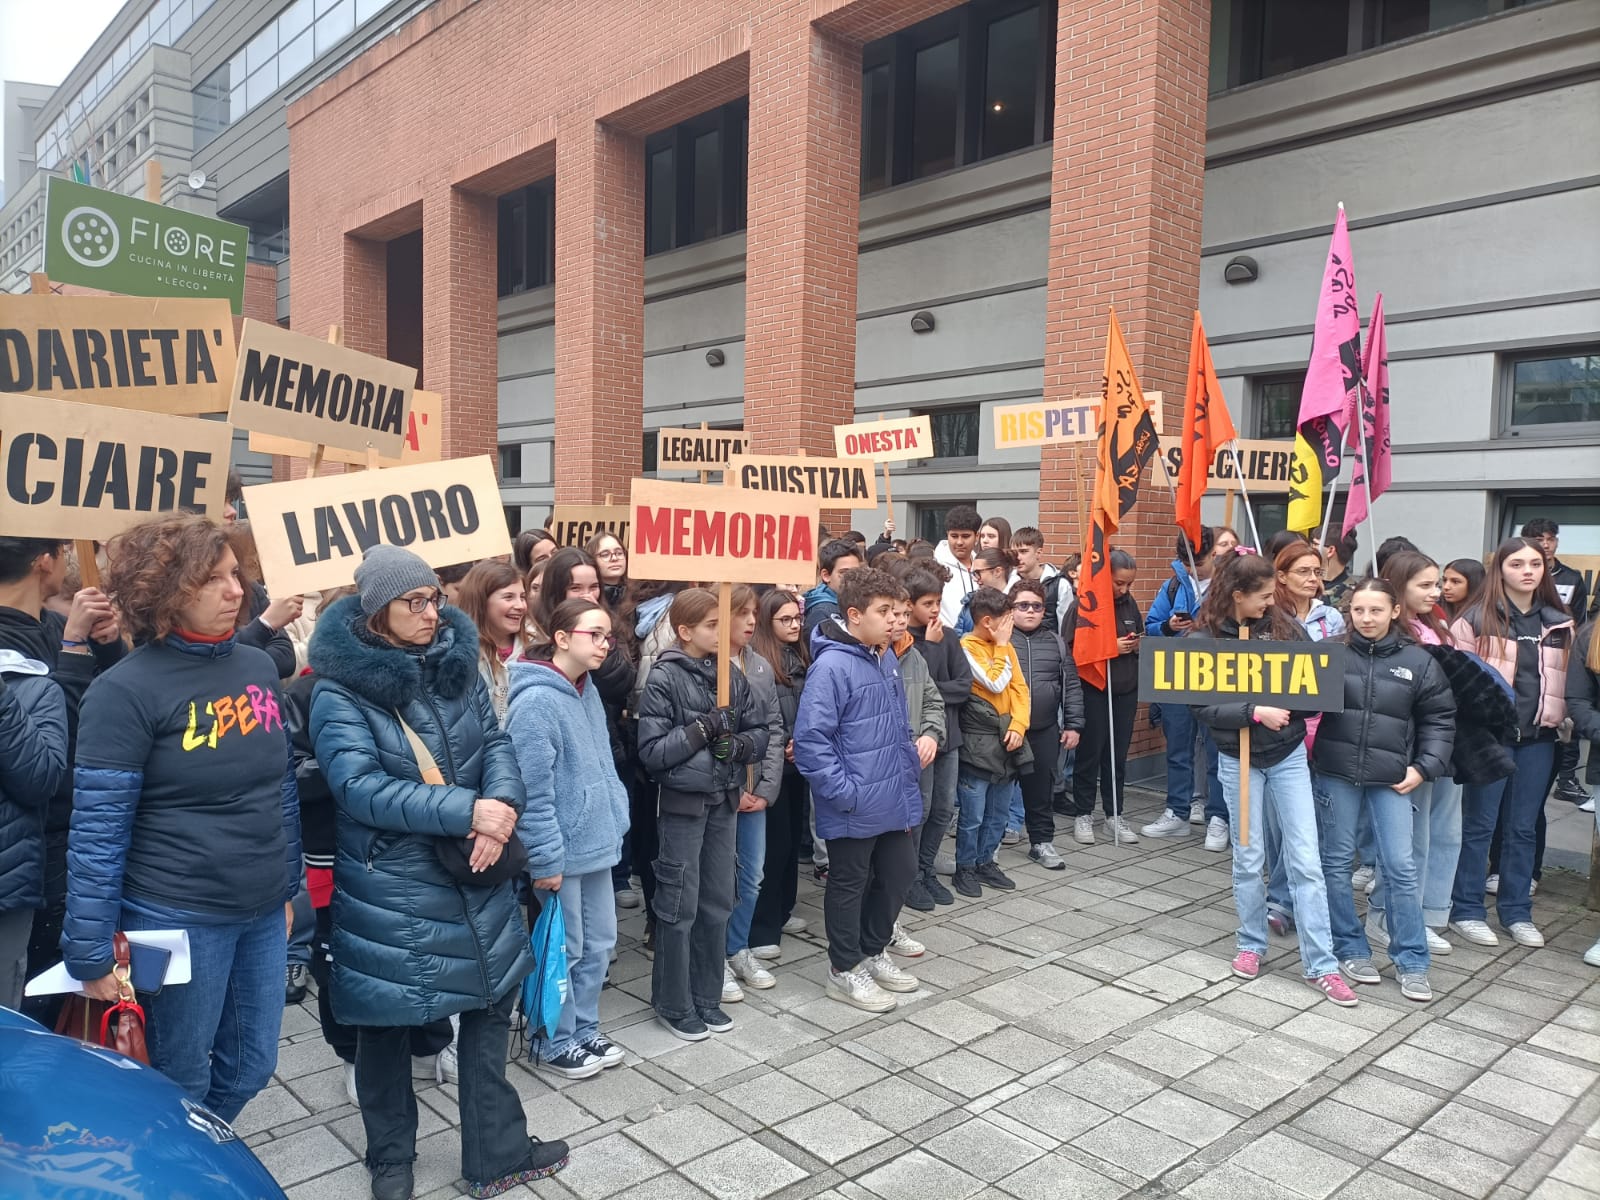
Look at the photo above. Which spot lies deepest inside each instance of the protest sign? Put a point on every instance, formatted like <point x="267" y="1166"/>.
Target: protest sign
<point x="1266" y="465"/>
<point x="158" y="355"/>
<point x="1038" y="423"/>
<point x="698" y="449"/>
<point x="691" y="532"/>
<point x="117" y="243"/>
<point x="84" y="471"/>
<point x="1305" y="676"/>
<point x="575" y="524"/>
<point x="893" y="440"/>
<point x="311" y="533"/>
<point x="424" y="440"/>
<point x="315" y="391"/>
<point x="831" y="482"/>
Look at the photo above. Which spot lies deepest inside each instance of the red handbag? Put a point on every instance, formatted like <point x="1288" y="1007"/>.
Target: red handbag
<point x="119" y="1026"/>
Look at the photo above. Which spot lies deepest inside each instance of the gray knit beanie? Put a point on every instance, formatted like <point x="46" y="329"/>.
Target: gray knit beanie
<point x="386" y="573"/>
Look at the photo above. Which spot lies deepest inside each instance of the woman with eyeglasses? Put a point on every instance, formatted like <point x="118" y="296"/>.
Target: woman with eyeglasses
<point x="411" y="942"/>
<point x="611" y="560"/>
<point x="991" y="567"/>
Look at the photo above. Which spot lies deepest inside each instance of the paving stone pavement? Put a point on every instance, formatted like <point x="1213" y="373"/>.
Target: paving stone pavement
<point x="1080" y="1037"/>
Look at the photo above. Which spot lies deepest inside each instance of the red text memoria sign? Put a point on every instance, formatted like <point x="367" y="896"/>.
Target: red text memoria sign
<point x="697" y="533"/>
<point x="897" y="440"/>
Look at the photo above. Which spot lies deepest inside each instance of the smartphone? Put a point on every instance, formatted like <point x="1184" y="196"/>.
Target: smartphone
<point x="148" y="967"/>
<point x="1181" y="613"/>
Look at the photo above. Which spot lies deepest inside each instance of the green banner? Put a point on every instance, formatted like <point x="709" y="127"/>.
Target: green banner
<point x="100" y="239"/>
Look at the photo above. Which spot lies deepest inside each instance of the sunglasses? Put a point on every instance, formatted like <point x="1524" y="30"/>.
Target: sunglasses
<point x="419" y="604"/>
<point x="1028" y="606"/>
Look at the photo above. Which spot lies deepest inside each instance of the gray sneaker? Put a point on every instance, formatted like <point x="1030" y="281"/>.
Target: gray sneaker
<point x="1360" y="970"/>
<point x="1414" y="986"/>
<point x="1011" y="837"/>
<point x="1044" y="853"/>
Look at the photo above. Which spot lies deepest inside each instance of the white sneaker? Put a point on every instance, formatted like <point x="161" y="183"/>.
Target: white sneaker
<point x="425" y="1066"/>
<point x="1377" y="930"/>
<point x="1361" y="879"/>
<point x="944" y="864"/>
<point x="1371" y="884"/>
<point x="732" y="993"/>
<point x="1044" y="853"/>
<point x="627" y="898"/>
<point x="1011" y="837"/>
<point x="749" y="971"/>
<point x="858" y="989"/>
<point x="1197" y="812"/>
<point x="448" y="1066"/>
<point x="1491" y="885"/>
<point x="350" y="1077"/>
<point x="767" y="953"/>
<point x="1476" y="932"/>
<point x="1592" y="955"/>
<point x="796" y="925"/>
<point x="904" y="944"/>
<point x="1587" y="805"/>
<point x="889" y="975"/>
<point x="1437" y="945"/>
<point x="1525" y="933"/>
<point x="1533" y="888"/>
<point x="1216" y="834"/>
<point x="1083" y="830"/>
<point x="1121" y="832"/>
<point x="1168" y="824"/>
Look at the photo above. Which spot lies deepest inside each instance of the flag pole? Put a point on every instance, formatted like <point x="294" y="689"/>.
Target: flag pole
<point x="1172" y="487"/>
<point x="1111" y="755"/>
<point x="1333" y="490"/>
<point x="1244" y="491"/>
<point x="1366" y="483"/>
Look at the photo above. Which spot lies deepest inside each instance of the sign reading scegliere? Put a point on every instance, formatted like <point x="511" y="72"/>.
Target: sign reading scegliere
<point x="1304" y="676"/>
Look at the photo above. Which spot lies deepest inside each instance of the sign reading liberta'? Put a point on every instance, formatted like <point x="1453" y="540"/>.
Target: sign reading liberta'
<point x="314" y="391"/>
<point x="1303" y="676"/>
<point x="897" y="440"/>
<point x="832" y="482"/>
<point x="692" y="532"/>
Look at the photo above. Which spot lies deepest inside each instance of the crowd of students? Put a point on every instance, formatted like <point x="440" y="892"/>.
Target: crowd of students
<point x="394" y="776"/>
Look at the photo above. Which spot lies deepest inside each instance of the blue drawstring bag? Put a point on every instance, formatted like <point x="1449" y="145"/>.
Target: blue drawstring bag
<point x="544" y="990"/>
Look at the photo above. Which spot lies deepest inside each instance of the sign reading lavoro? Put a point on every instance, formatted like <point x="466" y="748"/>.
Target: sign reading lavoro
<point x="116" y="243"/>
<point x="311" y="533"/>
<point x="691" y="532"/>
<point x="86" y="471"/>
<point x="834" y="482"/>
<point x="898" y="440"/>
<point x="315" y="391"/>
<point x="698" y="449"/>
<point x="1039" y="423"/>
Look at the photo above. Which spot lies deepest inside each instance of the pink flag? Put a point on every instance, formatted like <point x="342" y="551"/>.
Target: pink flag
<point x="1374" y="421"/>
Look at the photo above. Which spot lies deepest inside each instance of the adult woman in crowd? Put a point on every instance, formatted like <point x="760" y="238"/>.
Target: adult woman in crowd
<point x="1460" y="586"/>
<point x="1240" y="597"/>
<point x="400" y="702"/>
<point x="1583" y="705"/>
<point x="185" y="814"/>
<point x="1227" y="542"/>
<point x="1521" y="629"/>
<point x="575" y="820"/>
<point x="991" y="567"/>
<point x="1379" y="755"/>
<point x="494" y="598"/>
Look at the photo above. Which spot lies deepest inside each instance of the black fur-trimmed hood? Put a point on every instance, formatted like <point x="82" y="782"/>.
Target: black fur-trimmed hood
<point x="344" y="651"/>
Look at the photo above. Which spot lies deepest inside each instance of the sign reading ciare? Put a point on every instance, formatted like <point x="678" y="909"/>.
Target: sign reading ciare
<point x="692" y="532"/>
<point x="315" y="391"/>
<point x="698" y="449"/>
<point x="1039" y="423"/>
<point x="575" y="524"/>
<point x="1266" y="465"/>
<point x="173" y="356"/>
<point x="86" y="471"/>
<point x="311" y="533"/>
<point x="424" y="442"/>
<point x="1303" y="676"/>
<point x="898" y="440"/>
<point x="832" y="482"/>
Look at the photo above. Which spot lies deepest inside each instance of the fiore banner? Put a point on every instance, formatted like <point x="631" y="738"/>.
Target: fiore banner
<point x="1305" y="676"/>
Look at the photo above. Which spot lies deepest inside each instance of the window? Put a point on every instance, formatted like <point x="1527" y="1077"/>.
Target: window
<point x="695" y="179"/>
<point x="1277" y="407"/>
<point x="930" y="519"/>
<point x="1408" y="18"/>
<point x="955" y="432"/>
<point x="875" y="118"/>
<point x="510" y="463"/>
<point x="1553" y="390"/>
<point x="211" y="109"/>
<point x="937" y="103"/>
<point x="527" y="239"/>
<point x="1011" y="93"/>
<point x="649" y="463"/>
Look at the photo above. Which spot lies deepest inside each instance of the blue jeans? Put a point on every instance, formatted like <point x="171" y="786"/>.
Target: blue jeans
<point x="1180" y="727"/>
<point x="1339" y="804"/>
<point x="589" y="908"/>
<point x="1278" y="898"/>
<point x="216" y="1036"/>
<point x="982" y="809"/>
<point x="750" y="850"/>
<point x="1280" y="793"/>
<point x="1516" y="803"/>
<point x="1016" y="815"/>
<point x="1435" y="848"/>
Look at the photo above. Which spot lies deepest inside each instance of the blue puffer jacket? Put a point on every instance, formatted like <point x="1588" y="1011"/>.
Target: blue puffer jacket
<point x="33" y="764"/>
<point x="852" y="740"/>
<point x="577" y="809"/>
<point x="410" y="944"/>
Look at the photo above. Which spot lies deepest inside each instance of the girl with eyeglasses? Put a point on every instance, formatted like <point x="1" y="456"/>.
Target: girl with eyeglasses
<point x="611" y="560"/>
<point x="495" y="598"/>
<point x="575" y="820"/>
<point x="991" y="567"/>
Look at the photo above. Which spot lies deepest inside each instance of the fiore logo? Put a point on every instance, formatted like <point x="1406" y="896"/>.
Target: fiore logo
<point x="90" y="237"/>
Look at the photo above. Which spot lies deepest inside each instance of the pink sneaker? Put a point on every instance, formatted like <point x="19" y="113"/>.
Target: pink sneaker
<point x="1334" y="988"/>
<point x="1247" y="964"/>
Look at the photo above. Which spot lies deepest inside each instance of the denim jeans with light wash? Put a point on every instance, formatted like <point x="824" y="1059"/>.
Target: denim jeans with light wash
<point x="1180" y="729"/>
<point x="589" y="910"/>
<point x="694" y="895"/>
<point x="1278" y="898"/>
<point x="1516" y="804"/>
<point x="216" y="1036"/>
<point x="1435" y="848"/>
<point x="750" y="851"/>
<point x="981" y="815"/>
<point x="1017" y="814"/>
<point x="1284" y="792"/>
<point x="1339" y="804"/>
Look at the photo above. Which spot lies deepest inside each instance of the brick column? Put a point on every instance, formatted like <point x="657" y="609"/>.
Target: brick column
<point x="460" y="346"/>
<point x="599" y="310"/>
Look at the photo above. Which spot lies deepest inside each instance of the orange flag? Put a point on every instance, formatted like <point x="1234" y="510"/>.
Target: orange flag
<point x="1206" y="428"/>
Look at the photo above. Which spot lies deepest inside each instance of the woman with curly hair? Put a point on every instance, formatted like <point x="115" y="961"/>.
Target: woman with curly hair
<point x="185" y="813"/>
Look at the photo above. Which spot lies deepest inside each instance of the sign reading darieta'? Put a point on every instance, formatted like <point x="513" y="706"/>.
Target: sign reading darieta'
<point x="693" y="532"/>
<point x="315" y="391"/>
<point x="1303" y="676"/>
<point x="116" y="243"/>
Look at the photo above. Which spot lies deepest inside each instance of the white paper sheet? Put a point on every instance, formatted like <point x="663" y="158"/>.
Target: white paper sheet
<point x="175" y="941"/>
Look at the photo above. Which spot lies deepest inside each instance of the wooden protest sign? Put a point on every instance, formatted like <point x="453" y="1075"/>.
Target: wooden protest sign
<point x="156" y="355"/>
<point x="311" y="533"/>
<point x="1305" y="676"/>
<point x="316" y="391"/>
<point x="1038" y="423"/>
<point x="698" y="449"/>
<point x="1266" y="465"/>
<point x="87" y="472"/>
<point x="424" y="441"/>
<point x="575" y="524"/>
<point x="899" y="439"/>
<point x="831" y="482"/>
<point x="691" y="532"/>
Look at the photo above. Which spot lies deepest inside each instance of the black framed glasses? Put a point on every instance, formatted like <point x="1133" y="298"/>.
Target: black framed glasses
<point x="600" y="636"/>
<point x="783" y="620"/>
<point x="614" y="552"/>
<point x="419" y="604"/>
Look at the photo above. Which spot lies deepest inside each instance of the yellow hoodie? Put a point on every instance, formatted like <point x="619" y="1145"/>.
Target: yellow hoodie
<point x="997" y="677"/>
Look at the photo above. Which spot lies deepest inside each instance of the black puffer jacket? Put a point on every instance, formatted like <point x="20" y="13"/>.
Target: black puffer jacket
<point x="948" y="668"/>
<point x="678" y="690"/>
<point x="789" y="697"/>
<point x="1583" y="689"/>
<point x="1053" y="687"/>
<point x="33" y="762"/>
<point x="1268" y="747"/>
<point x="1398" y="712"/>
<point x="983" y="752"/>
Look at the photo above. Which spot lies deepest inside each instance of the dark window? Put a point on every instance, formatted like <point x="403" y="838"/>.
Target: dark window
<point x="875" y="127"/>
<point x="1011" y="92"/>
<point x="1553" y="390"/>
<point x="955" y="432"/>
<point x="695" y="179"/>
<point x="706" y="216"/>
<point x="511" y="462"/>
<point x="1408" y="18"/>
<point x="649" y="463"/>
<point x="936" y="99"/>
<point x="1277" y="409"/>
<point x="660" y="201"/>
<point x="527" y="243"/>
<point x="930" y="519"/>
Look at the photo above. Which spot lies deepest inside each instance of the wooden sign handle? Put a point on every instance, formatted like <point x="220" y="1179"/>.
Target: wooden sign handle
<point x="1244" y="768"/>
<point x="703" y="478"/>
<point x="724" y="642"/>
<point x="1227" y="510"/>
<point x="888" y="488"/>
<point x="314" y="464"/>
<point x="152" y="181"/>
<point x="88" y="562"/>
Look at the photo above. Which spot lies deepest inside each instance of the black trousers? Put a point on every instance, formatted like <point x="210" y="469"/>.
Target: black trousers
<point x="44" y="943"/>
<point x="1098" y="750"/>
<point x="644" y="835"/>
<point x="780" y="879"/>
<point x="867" y="882"/>
<point x="1037" y="784"/>
<point x="425" y="1039"/>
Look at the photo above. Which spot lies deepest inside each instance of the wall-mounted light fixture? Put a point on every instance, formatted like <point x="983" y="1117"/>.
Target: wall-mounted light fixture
<point x="715" y="357"/>
<point x="1241" y="269"/>
<point x="922" y="322"/>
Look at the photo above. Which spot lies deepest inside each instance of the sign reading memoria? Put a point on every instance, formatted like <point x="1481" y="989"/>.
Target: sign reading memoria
<point x="311" y="533"/>
<point x="314" y="391"/>
<point x="1017" y="426"/>
<point x="1266" y="465"/>
<point x="1307" y="676"/>
<point x="698" y="449"/>
<point x="575" y="524"/>
<point x="424" y="442"/>
<point x="116" y="243"/>
<point x="86" y="471"/>
<point x="691" y="532"/>
<point x="898" y="440"/>
<point x="158" y="355"/>
<point x="832" y="482"/>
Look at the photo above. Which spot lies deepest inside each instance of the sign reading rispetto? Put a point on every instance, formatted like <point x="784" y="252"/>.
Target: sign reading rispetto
<point x="575" y="524"/>
<point x="174" y="356"/>
<point x="1305" y="676"/>
<point x="116" y="243"/>
<point x="832" y="482"/>
<point x="1044" y="424"/>
<point x="690" y="532"/>
<point x="314" y="391"/>
<point x="85" y="471"/>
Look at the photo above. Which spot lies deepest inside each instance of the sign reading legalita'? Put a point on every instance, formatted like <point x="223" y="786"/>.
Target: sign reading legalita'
<point x="694" y="533"/>
<point x="698" y="449"/>
<point x="832" y="482"/>
<point x="311" y="533"/>
<point x="897" y="440"/>
<point x="315" y="391"/>
<point x="575" y="524"/>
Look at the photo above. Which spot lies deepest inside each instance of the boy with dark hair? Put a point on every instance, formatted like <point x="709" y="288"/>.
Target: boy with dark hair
<point x="1338" y="584"/>
<point x="1027" y="544"/>
<point x="855" y="747"/>
<point x="994" y="743"/>
<point x="947" y="667"/>
<point x="835" y="558"/>
<point x="961" y="525"/>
